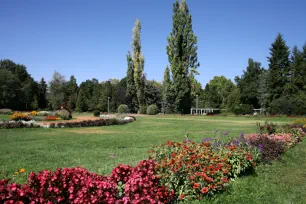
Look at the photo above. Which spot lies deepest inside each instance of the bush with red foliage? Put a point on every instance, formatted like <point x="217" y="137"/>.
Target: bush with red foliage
<point x="144" y="187"/>
<point x="77" y="185"/>
<point x="122" y="173"/>
<point x="71" y="185"/>
<point x="15" y="193"/>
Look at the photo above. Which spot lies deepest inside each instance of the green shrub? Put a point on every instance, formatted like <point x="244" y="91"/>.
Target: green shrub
<point x="296" y="105"/>
<point x="97" y="113"/>
<point x="243" y="109"/>
<point x="123" y="108"/>
<point x="152" y="109"/>
<point x="64" y="114"/>
<point x="142" y="110"/>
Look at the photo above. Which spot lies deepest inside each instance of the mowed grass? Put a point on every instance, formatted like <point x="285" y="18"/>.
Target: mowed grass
<point x="5" y="117"/>
<point x="100" y="149"/>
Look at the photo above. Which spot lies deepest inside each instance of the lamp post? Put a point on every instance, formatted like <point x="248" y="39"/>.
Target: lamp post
<point x="108" y="104"/>
<point x="197" y="104"/>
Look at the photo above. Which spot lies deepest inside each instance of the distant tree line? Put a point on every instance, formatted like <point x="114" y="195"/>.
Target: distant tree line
<point x="281" y="88"/>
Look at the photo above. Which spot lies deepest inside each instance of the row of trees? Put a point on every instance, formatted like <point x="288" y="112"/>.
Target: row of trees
<point x="18" y="90"/>
<point x="179" y="83"/>
<point x="279" y="89"/>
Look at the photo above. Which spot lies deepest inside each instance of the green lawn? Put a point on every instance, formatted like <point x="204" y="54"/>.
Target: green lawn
<point x="5" y="117"/>
<point x="99" y="149"/>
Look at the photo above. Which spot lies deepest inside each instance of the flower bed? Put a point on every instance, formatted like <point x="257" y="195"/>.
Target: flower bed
<point x="85" y="123"/>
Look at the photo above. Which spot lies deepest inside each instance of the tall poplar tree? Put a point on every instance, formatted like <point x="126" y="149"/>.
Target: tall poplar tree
<point x="42" y="87"/>
<point x="167" y="96"/>
<point x="72" y="92"/>
<point x="182" y="56"/>
<point x="130" y="85"/>
<point x="138" y="64"/>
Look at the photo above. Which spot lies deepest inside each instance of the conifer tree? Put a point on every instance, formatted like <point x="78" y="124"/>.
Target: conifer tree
<point x="249" y="82"/>
<point x="298" y="69"/>
<point x="279" y="69"/>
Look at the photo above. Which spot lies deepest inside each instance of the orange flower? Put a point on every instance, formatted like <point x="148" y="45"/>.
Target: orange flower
<point x="16" y="172"/>
<point x="22" y="170"/>
<point x="204" y="190"/>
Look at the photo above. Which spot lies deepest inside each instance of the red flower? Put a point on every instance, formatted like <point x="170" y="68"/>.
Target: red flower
<point x="196" y="185"/>
<point x="225" y="180"/>
<point x="204" y="190"/>
<point x="182" y="196"/>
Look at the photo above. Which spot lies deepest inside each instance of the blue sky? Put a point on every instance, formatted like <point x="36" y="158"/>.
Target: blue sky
<point x="90" y="39"/>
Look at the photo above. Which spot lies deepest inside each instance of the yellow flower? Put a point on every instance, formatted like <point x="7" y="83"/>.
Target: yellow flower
<point x="22" y="170"/>
<point x="16" y="173"/>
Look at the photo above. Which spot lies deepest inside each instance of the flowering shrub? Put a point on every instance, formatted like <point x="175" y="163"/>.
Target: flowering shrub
<point x="14" y="193"/>
<point x="34" y="113"/>
<point x="268" y="128"/>
<point x="71" y="185"/>
<point x="144" y="187"/>
<point x="77" y="185"/>
<point x="20" y="116"/>
<point x="13" y="124"/>
<point x="43" y="113"/>
<point x="194" y="171"/>
<point x="270" y="149"/>
<point x="301" y="121"/>
<point x="121" y="173"/>
<point x="50" y="118"/>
